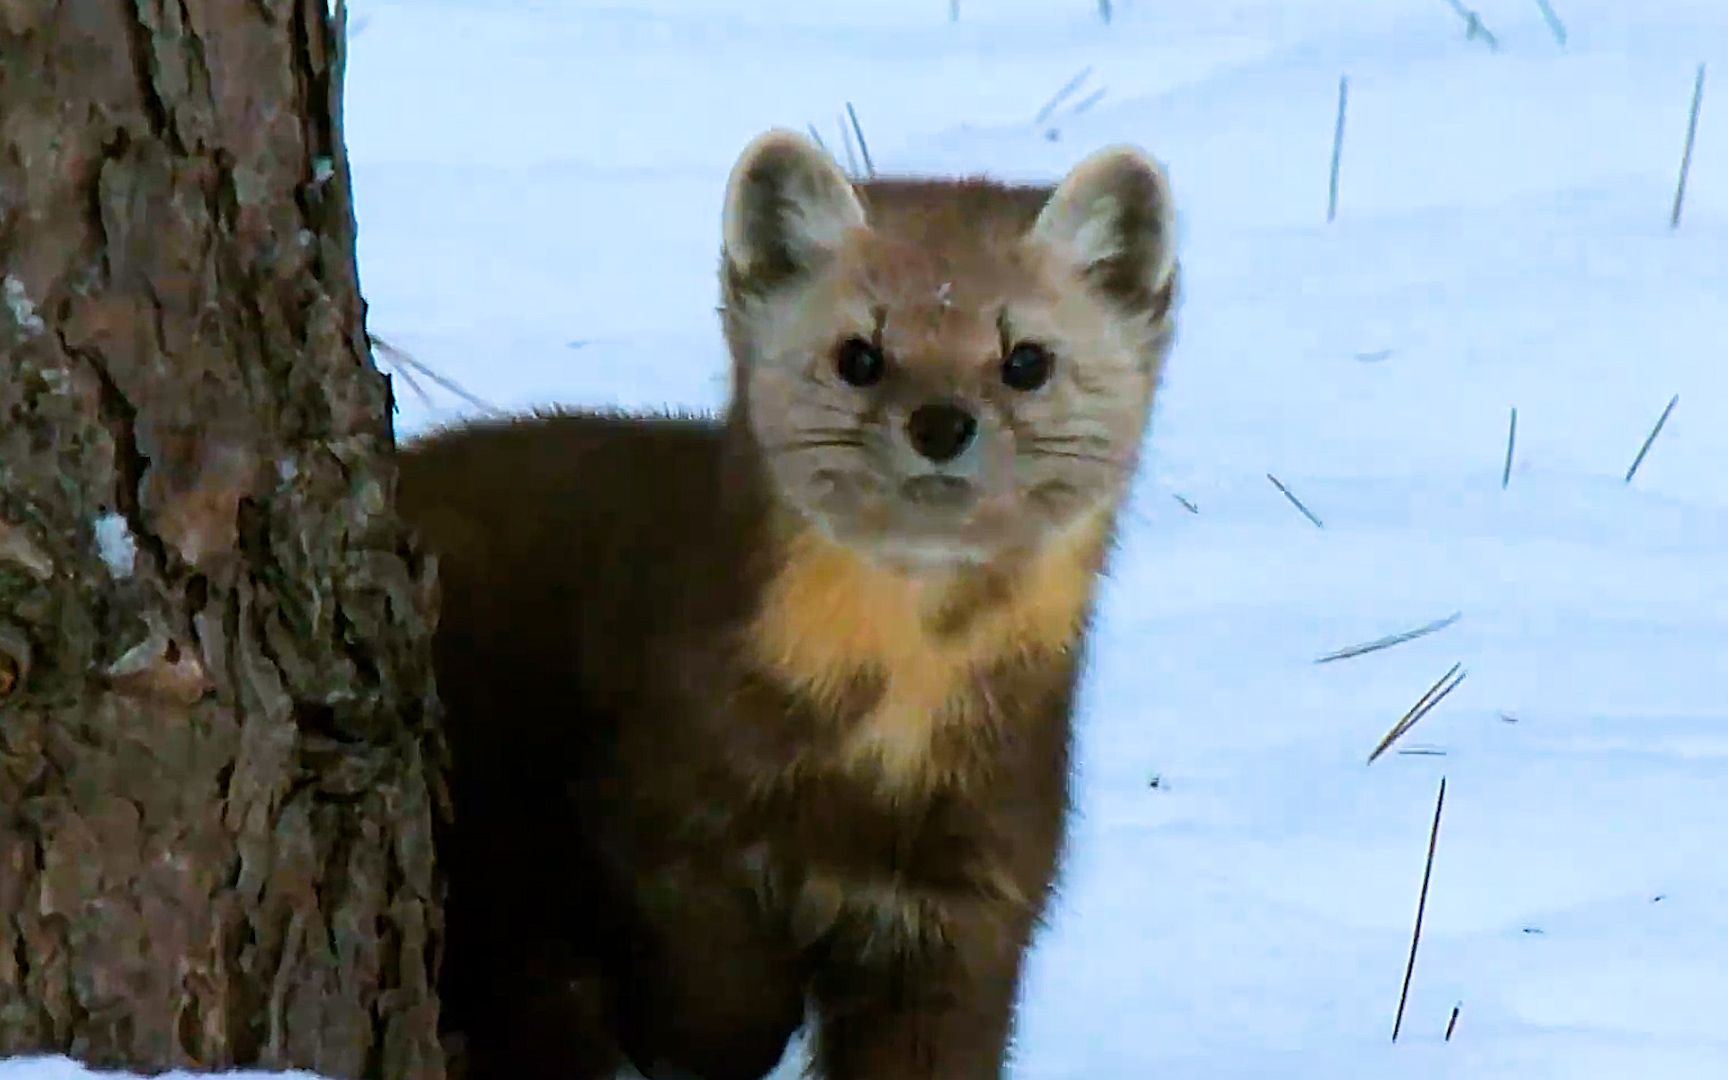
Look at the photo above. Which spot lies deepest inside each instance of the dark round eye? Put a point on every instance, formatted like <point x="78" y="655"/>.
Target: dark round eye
<point x="859" y="362"/>
<point x="1027" y="366"/>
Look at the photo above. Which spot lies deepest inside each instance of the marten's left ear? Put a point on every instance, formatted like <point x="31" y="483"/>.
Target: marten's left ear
<point x="788" y="206"/>
<point x="1114" y="217"/>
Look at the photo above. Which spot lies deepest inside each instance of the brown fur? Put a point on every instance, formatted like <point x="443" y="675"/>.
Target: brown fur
<point x="723" y="748"/>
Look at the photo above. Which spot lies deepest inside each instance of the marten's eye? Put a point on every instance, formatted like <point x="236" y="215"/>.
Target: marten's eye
<point x="859" y="362"/>
<point x="1027" y="366"/>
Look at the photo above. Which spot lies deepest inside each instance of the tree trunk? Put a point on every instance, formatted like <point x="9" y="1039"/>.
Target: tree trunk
<point x="219" y="759"/>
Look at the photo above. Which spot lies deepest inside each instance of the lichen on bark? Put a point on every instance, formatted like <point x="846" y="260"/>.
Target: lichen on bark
<point x="219" y="752"/>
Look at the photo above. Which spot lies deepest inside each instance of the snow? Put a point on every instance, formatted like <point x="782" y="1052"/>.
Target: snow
<point x="538" y="189"/>
<point x="18" y="303"/>
<point x="114" y="542"/>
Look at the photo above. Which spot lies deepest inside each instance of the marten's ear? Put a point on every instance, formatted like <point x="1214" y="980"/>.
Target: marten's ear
<point x="788" y="206"/>
<point x="1113" y="216"/>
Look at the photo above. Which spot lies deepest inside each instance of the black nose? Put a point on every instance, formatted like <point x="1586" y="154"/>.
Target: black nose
<point x="940" y="431"/>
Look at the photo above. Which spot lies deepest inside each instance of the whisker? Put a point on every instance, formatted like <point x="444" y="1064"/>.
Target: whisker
<point x="832" y="432"/>
<point x="818" y="444"/>
<point x="1074" y="455"/>
<point x="1095" y="441"/>
<point x="1047" y="434"/>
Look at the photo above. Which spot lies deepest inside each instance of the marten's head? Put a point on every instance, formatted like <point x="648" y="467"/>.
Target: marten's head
<point x="939" y="373"/>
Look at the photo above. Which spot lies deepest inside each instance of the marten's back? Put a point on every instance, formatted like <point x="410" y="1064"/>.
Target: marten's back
<point x="566" y="544"/>
<point x="590" y="485"/>
<point x="563" y="541"/>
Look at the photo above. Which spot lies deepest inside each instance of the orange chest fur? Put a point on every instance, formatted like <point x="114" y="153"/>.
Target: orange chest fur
<point x="829" y="616"/>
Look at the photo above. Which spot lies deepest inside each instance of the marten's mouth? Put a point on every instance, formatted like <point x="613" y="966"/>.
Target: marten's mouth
<point x="928" y="521"/>
<point x="938" y="490"/>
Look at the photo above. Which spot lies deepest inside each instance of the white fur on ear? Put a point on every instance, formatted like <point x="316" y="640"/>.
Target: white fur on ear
<point x="1113" y="215"/>
<point x="788" y="206"/>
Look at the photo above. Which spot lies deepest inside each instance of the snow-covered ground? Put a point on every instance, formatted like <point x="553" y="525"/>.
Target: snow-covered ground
<point x="538" y="188"/>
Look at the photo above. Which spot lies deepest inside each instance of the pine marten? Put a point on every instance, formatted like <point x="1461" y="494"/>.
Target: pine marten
<point x="767" y="716"/>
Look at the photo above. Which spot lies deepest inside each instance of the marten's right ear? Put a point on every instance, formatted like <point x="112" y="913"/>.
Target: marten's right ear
<point x="788" y="206"/>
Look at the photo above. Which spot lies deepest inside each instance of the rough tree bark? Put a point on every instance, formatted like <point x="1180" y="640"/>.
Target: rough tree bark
<point x="219" y="760"/>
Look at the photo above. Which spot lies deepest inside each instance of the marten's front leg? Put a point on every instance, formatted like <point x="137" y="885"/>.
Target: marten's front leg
<point x="941" y="1009"/>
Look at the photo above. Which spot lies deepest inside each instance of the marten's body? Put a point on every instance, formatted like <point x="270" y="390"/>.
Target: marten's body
<point x="769" y="713"/>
